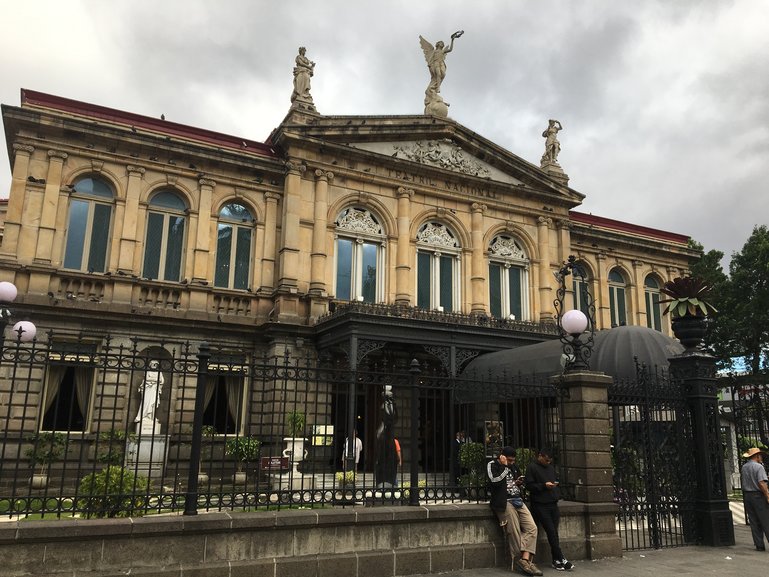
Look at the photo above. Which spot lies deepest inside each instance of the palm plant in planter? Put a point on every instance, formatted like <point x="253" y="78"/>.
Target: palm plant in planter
<point x="244" y="450"/>
<point x="295" y="422"/>
<point x="46" y="448"/>
<point x="688" y="307"/>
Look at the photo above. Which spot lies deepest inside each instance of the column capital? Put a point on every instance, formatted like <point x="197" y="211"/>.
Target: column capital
<point x="478" y="207"/>
<point x="405" y="192"/>
<point x="57" y="154"/>
<point x="294" y="167"/>
<point x="133" y="170"/>
<point x="324" y="174"/>
<point x="601" y="256"/>
<point x="206" y="182"/>
<point x="23" y="148"/>
<point x="638" y="263"/>
<point x="564" y="223"/>
<point x="271" y="196"/>
<point x="544" y="221"/>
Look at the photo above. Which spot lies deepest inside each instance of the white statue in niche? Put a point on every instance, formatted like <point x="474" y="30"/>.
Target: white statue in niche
<point x="151" y="388"/>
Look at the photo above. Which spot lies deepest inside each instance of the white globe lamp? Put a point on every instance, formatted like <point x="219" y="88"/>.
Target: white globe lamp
<point x="574" y="322"/>
<point x="25" y="331"/>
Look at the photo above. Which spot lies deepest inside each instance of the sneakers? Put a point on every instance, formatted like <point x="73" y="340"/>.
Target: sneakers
<point x="563" y="565"/>
<point x="526" y="567"/>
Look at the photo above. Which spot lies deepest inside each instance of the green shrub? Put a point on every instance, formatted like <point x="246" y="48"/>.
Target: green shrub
<point x="113" y="492"/>
<point x="472" y="458"/>
<point x="295" y="421"/>
<point x="243" y="449"/>
<point x="344" y="478"/>
<point x="524" y="456"/>
<point x="111" y="447"/>
<point x="46" y="448"/>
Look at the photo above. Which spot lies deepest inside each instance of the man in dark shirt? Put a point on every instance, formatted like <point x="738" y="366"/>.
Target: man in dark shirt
<point x="514" y="518"/>
<point x="543" y="497"/>
<point x="756" y="495"/>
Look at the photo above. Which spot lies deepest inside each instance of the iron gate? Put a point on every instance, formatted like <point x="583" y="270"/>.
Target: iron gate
<point x="652" y="444"/>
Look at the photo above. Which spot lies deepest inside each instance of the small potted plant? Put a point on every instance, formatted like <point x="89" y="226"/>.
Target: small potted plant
<point x="295" y="422"/>
<point x="206" y="449"/>
<point x="244" y="450"/>
<point x="46" y="448"/>
<point x="688" y="308"/>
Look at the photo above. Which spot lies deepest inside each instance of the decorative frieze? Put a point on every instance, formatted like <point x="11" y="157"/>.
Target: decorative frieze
<point x="443" y="154"/>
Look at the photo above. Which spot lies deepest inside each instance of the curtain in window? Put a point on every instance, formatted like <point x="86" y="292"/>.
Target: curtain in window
<point x="55" y="377"/>
<point x="83" y="379"/>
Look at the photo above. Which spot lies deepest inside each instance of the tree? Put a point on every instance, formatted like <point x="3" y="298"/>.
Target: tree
<point x="743" y="325"/>
<point x="708" y="268"/>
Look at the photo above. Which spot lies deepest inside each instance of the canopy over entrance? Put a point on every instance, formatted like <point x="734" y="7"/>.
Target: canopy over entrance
<point x="614" y="351"/>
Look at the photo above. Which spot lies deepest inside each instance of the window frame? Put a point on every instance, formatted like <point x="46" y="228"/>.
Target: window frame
<point x="653" y="307"/>
<point x="437" y="241"/>
<point x="506" y="252"/>
<point x="91" y="199"/>
<point x="236" y="226"/>
<point x="618" y="296"/>
<point x="359" y="227"/>
<point x="167" y="213"/>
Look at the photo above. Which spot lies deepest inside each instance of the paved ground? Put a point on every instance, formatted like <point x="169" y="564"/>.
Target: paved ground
<point x="742" y="560"/>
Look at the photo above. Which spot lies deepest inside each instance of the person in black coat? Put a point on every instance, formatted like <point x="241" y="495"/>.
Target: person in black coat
<point x="542" y="485"/>
<point x="514" y="517"/>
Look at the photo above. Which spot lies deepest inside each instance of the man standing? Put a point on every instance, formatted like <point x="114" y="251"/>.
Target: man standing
<point x="756" y="495"/>
<point x="514" y="518"/>
<point x="544" y="495"/>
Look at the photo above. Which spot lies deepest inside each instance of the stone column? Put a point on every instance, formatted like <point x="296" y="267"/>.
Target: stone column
<point x="403" y="292"/>
<point x="268" y="243"/>
<point x="564" y="239"/>
<point x="22" y="154"/>
<point x="586" y="466"/>
<point x="602" y="310"/>
<point x="130" y="219"/>
<point x="318" y="255"/>
<point x="545" y="289"/>
<point x="695" y="372"/>
<point x="288" y="252"/>
<point x="203" y="233"/>
<point x="637" y="300"/>
<point x="50" y="206"/>
<point x="477" y="272"/>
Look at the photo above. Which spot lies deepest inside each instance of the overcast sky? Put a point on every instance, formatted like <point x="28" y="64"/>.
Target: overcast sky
<point x="664" y="105"/>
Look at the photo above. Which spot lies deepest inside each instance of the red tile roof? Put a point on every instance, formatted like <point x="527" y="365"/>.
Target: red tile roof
<point x="618" y="225"/>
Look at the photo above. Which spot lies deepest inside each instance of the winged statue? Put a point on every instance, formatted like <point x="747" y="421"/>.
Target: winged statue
<point x="436" y="64"/>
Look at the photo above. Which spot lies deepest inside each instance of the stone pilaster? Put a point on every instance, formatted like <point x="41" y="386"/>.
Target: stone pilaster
<point x="320" y="224"/>
<point x="637" y="300"/>
<point x="47" y="227"/>
<point x="564" y="239"/>
<point x="601" y="281"/>
<point x="545" y="287"/>
<point x="477" y="263"/>
<point x="586" y="467"/>
<point x="127" y="253"/>
<point x="403" y="294"/>
<point x="268" y="243"/>
<point x="288" y="253"/>
<point x="22" y="154"/>
<point x="203" y="231"/>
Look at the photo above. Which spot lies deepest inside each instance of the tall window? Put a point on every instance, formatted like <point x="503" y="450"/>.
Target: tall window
<point x="580" y="286"/>
<point x="67" y="398"/>
<point x="88" y="226"/>
<point x="233" y="247"/>
<point x="617" y="298"/>
<point x="224" y="403"/>
<point x="359" y="256"/>
<point x="164" y="243"/>
<point x="652" y="297"/>
<point x="508" y="279"/>
<point x="437" y="268"/>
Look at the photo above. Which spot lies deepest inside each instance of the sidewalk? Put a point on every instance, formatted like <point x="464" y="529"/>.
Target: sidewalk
<point x="740" y="560"/>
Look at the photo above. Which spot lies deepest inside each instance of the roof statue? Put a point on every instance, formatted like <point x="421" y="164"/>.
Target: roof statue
<point x="303" y="71"/>
<point x="436" y="64"/>
<point x="549" y="160"/>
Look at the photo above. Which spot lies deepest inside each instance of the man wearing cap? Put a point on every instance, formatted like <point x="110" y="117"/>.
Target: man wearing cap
<point x="514" y="518"/>
<point x="756" y="495"/>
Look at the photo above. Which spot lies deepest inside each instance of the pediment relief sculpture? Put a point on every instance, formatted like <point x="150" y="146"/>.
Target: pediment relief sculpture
<point x="441" y="154"/>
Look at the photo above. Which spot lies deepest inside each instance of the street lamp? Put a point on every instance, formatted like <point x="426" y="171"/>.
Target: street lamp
<point x="25" y="330"/>
<point x="574" y="323"/>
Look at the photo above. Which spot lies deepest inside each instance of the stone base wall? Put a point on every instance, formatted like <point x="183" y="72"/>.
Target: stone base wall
<point x="370" y="542"/>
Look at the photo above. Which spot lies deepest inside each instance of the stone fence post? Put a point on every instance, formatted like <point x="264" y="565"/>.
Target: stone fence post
<point x="587" y="458"/>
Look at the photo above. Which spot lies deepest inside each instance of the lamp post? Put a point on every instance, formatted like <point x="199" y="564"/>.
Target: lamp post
<point x="576" y="328"/>
<point x="25" y="330"/>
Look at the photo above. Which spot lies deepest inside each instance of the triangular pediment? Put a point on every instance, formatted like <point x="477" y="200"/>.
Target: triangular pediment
<point x="443" y="154"/>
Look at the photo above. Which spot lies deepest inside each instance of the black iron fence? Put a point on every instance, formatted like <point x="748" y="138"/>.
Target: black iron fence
<point x="652" y="443"/>
<point x="111" y="427"/>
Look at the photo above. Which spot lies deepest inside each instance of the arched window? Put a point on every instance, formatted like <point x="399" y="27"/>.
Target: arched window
<point x="359" y="256"/>
<point x="234" y="236"/>
<point x="652" y="297"/>
<point x="580" y="287"/>
<point x="164" y="242"/>
<point x="617" y="298"/>
<point x="437" y="268"/>
<point x="88" y="226"/>
<point x="508" y="279"/>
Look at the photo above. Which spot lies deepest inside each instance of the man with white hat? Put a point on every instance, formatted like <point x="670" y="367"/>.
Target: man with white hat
<point x="756" y="494"/>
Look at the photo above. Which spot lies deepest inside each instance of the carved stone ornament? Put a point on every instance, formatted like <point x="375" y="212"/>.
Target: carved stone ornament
<point x="436" y="234"/>
<point x="358" y="220"/>
<point x="23" y="148"/>
<point x="443" y="154"/>
<point x="507" y="247"/>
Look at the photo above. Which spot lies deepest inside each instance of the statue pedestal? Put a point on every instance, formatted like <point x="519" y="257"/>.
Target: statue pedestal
<point x="146" y="454"/>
